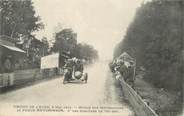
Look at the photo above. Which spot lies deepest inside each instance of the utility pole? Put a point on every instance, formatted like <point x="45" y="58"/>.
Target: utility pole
<point x="1" y="23"/>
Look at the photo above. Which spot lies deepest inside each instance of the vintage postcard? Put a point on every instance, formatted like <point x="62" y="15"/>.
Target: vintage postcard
<point x="91" y="57"/>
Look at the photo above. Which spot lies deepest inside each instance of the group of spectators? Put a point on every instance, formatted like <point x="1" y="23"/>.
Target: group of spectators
<point x="124" y="70"/>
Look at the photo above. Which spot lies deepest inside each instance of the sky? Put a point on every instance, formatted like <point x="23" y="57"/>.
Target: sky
<point x="101" y="23"/>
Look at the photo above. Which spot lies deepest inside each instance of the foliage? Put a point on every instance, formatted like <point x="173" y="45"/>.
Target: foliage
<point x="35" y="52"/>
<point x="155" y="39"/>
<point x="85" y="51"/>
<point x="17" y="18"/>
<point x="66" y="41"/>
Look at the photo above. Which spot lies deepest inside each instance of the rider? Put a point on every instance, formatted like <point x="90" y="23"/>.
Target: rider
<point x="78" y="69"/>
<point x="79" y="66"/>
<point x="69" y="66"/>
<point x="123" y="70"/>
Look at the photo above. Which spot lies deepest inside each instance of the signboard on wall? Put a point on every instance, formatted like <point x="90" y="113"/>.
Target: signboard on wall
<point x="50" y="61"/>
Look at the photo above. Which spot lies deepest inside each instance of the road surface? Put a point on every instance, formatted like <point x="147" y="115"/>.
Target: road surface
<point x="101" y="91"/>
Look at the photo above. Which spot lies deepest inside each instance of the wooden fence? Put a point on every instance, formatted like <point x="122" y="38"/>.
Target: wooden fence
<point x="25" y="76"/>
<point x="140" y="107"/>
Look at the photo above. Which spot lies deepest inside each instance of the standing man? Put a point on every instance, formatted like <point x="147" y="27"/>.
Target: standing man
<point x="130" y="76"/>
<point x="8" y="70"/>
<point x="123" y="70"/>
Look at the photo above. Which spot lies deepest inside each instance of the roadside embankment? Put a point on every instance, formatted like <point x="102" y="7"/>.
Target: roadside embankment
<point x="140" y="107"/>
<point x="148" y="100"/>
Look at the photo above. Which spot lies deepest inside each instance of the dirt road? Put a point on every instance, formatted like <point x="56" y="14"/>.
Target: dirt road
<point x="101" y="91"/>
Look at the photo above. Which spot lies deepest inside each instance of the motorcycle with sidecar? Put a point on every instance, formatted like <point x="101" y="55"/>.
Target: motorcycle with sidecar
<point x="74" y="77"/>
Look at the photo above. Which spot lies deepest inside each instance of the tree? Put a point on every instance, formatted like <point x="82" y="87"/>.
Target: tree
<point x="85" y="51"/>
<point x="155" y="39"/>
<point x="36" y="50"/>
<point x="65" y="40"/>
<point x="18" y="18"/>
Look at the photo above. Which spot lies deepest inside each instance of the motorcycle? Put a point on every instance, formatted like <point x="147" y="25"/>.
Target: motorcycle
<point x="74" y="77"/>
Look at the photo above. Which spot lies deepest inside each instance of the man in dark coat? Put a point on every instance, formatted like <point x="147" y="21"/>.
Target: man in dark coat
<point x="79" y="66"/>
<point x="69" y="66"/>
<point x="123" y="70"/>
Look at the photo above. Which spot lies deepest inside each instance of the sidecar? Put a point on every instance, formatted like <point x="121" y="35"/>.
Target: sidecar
<point x="77" y="77"/>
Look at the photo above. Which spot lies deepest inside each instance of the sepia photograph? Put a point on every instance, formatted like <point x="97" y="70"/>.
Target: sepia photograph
<point x="91" y="57"/>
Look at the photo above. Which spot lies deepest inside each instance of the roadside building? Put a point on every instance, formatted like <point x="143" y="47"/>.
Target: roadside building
<point x="11" y="57"/>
